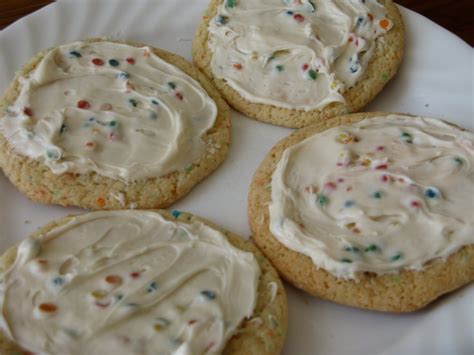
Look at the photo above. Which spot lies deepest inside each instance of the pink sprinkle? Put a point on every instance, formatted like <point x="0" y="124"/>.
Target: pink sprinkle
<point x="130" y="60"/>
<point x="305" y="66"/>
<point x="102" y="305"/>
<point x="340" y="180"/>
<point x="356" y="231"/>
<point x="113" y="136"/>
<point x="349" y="188"/>
<point x="339" y="164"/>
<point x="380" y="148"/>
<point x="381" y="167"/>
<point x="415" y="204"/>
<point x="298" y="17"/>
<point x="179" y="95"/>
<point x="330" y="186"/>
<point x="385" y="178"/>
<point x="401" y="179"/>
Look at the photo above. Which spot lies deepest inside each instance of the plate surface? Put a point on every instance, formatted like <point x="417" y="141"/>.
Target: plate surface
<point x="435" y="79"/>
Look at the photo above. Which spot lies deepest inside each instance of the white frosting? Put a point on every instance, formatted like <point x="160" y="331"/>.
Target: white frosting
<point x="110" y="108"/>
<point x="385" y="194"/>
<point x="294" y="54"/>
<point x="127" y="282"/>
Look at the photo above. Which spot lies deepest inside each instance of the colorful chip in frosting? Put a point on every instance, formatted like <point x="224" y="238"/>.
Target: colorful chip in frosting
<point x="113" y="113"/>
<point x="132" y="282"/>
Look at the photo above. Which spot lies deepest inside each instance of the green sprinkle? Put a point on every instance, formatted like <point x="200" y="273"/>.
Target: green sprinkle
<point x="353" y="249"/>
<point x="322" y="200"/>
<point x="62" y="129"/>
<point x="112" y="124"/>
<point x="231" y="3"/>
<point x="377" y="194"/>
<point x="133" y="102"/>
<point x="458" y="161"/>
<point x="407" y="137"/>
<point x="279" y="67"/>
<point x="172" y="85"/>
<point x="371" y="248"/>
<point x="385" y="76"/>
<point x="312" y="74"/>
<point x="346" y="260"/>
<point x="189" y="168"/>
<point x="175" y="213"/>
<point x="114" y="62"/>
<point x="396" y="257"/>
<point x="154" y="102"/>
<point x="119" y="297"/>
<point x="274" y="322"/>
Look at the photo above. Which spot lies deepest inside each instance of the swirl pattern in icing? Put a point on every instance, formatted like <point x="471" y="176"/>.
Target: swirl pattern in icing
<point x="382" y="195"/>
<point x="114" y="109"/>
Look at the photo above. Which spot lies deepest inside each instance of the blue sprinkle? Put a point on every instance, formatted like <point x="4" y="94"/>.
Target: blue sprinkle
<point x="360" y="21"/>
<point x="133" y="102"/>
<point x="91" y="119"/>
<point x="62" y="129"/>
<point x="75" y="54"/>
<point x="58" y="281"/>
<point x="289" y="12"/>
<point x="221" y="20"/>
<point x="132" y="304"/>
<point x="175" y="213"/>
<point x="119" y="297"/>
<point x="154" y="102"/>
<point x="354" y="69"/>
<point x="152" y="287"/>
<point x="124" y="75"/>
<point x="114" y="62"/>
<point x="348" y="203"/>
<point x="208" y="294"/>
<point x="431" y="193"/>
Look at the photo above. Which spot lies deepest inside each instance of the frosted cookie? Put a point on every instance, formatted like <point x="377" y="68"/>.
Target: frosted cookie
<point x="372" y="210"/>
<point x="293" y="63"/>
<point x="139" y="282"/>
<point x="110" y="125"/>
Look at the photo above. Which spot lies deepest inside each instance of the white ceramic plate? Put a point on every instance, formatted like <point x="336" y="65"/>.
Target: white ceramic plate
<point x="436" y="79"/>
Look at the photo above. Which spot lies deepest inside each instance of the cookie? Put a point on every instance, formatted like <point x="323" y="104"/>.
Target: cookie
<point x="105" y="124"/>
<point x="285" y="63"/>
<point x="371" y="210"/>
<point x="140" y="281"/>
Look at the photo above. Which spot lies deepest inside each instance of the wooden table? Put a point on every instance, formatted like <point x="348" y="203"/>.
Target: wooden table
<point x="455" y="15"/>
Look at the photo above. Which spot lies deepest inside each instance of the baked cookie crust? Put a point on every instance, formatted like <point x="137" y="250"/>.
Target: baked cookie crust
<point x="382" y="67"/>
<point x="263" y="334"/>
<point x="401" y="292"/>
<point x="97" y="192"/>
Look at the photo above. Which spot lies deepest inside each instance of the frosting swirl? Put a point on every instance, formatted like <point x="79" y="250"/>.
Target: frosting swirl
<point x="294" y="54"/>
<point x="385" y="194"/>
<point x="127" y="282"/>
<point x="110" y="108"/>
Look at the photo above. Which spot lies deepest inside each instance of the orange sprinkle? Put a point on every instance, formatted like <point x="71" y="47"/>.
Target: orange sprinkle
<point x="100" y="201"/>
<point x="48" y="307"/>
<point x="113" y="279"/>
<point x="370" y="16"/>
<point x="238" y="66"/>
<point x="351" y="39"/>
<point x="384" y="23"/>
